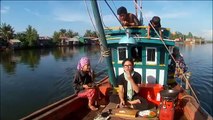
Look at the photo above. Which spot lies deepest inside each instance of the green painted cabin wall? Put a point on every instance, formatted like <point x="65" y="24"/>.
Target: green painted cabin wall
<point x="114" y="35"/>
<point x="143" y="66"/>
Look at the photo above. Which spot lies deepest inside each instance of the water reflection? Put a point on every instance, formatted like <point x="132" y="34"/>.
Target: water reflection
<point x="31" y="58"/>
<point x="198" y="58"/>
<point x="186" y="47"/>
<point x="10" y="59"/>
<point x="32" y="79"/>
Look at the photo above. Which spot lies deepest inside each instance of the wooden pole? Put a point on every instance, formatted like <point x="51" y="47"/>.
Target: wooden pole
<point x="136" y="10"/>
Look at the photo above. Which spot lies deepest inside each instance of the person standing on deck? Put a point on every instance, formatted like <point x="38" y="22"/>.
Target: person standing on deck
<point x="128" y="83"/>
<point x="178" y="67"/>
<point x="155" y="22"/>
<point x="127" y="19"/>
<point x="83" y="82"/>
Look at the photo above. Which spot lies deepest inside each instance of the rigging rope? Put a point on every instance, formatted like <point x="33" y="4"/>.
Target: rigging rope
<point x="103" y="53"/>
<point x="114" y="4"/>
<point x="170" y="54"/>
<point x="90" y="17"/>
<point x="101" y="16"/>
<point x="114" y="14"/>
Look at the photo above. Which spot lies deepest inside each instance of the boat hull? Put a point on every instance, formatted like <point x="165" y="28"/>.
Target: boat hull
<point x="186" y="107"/>
<point x="64" y="108"/>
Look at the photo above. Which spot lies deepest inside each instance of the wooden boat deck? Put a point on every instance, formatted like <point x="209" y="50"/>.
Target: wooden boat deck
<point x="87" y="114"/>
<point x="75" y="108"/>
<point x="112" y="107"/>
<point x="84" y="113"/>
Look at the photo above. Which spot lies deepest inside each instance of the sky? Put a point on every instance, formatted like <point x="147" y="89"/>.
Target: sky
<point x="50" y="16"/>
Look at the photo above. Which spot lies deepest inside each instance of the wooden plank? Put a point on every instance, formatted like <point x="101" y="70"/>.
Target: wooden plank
<point x="126" y="112"/>
<point x="191" y="109"/>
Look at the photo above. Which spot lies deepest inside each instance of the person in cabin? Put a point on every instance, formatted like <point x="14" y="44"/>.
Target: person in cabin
<point x="155" y="22"/>
<point x="83" y="82"/>
<point x="128" y="84"/>
<point x="177" y="67"/>
<point x="127" y="19"/>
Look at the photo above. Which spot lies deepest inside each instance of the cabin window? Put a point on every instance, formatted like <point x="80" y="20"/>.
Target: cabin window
<point x="151" y="57"/>
<point x="162" y="56"/>
<point x="136" y="54"/>
<point x="122" y="53"/>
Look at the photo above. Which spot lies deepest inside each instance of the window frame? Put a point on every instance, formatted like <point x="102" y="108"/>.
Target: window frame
<point x="155" y="59"/>
<point x="118" y="55"/>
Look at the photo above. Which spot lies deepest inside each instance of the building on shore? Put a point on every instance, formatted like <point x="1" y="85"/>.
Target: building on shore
<point x="15" y="43"/>
<point x="44" y="41"/>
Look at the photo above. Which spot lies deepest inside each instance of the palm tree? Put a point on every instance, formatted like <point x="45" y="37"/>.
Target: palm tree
<point x="31" y="36"/>
<point x="71" y="34"/>
<point x="90" y="33"/>
<point x="56" y="37"/>
<point x="6" y="32"/>
<point x="63" y="35"/>
<point x="22" y="37"/>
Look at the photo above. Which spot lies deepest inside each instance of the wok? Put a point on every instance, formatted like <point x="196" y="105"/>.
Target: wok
<point x="172" y="94"/>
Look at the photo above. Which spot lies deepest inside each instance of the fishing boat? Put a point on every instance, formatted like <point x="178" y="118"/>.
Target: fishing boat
<point x="151" y="58"/>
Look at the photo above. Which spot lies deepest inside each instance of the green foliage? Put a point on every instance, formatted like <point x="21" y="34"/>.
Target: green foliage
<point x="71" y="34"/>
<point x="189" y="35"/>
<point x="90" y="33"/>
<point x="67" y="33"/>
<point x="63" y="31"/>
<point x="22" y="37"/>
<point x="183" y="37"/>
<point x="6" y="31"/>
<point x="63" y="34"/>
<point x="177" y="35"/>
<point x="31" y="36"/>
<point x="56" y="37"/>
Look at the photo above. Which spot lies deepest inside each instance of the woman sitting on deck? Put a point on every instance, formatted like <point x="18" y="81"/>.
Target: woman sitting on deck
<point x="128" y="84"/>
<point x="83" y="82"/>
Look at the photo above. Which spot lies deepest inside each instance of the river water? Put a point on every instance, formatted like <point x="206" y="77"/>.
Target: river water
<point x="32" y="79"/>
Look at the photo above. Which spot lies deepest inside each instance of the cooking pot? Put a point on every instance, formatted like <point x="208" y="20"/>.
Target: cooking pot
<point x="170" y="94"/>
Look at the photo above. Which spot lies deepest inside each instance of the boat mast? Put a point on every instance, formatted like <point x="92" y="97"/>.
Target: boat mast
<point x="141" y="14"/>
<point x="103" y="41"/>
<point x="136" y="10"/>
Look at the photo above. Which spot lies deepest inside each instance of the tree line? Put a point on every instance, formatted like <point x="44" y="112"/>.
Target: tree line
<point x="183" y="37"/>
<point x="30" y="36"/>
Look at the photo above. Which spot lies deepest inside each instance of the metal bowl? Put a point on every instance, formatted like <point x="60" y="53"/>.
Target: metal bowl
<point x="171" y="94"/>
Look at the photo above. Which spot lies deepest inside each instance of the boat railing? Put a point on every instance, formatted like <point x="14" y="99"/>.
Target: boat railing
<point x="140" y="32"/>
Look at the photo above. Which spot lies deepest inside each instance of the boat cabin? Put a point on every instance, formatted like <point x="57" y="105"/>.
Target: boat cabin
<point x="150" y="56"/>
